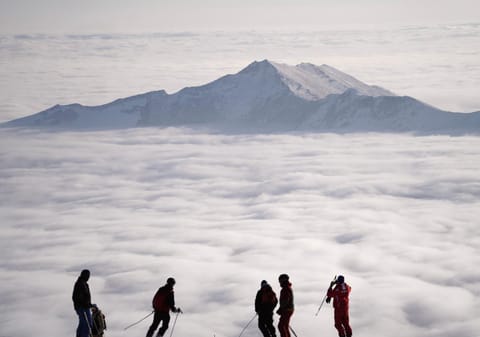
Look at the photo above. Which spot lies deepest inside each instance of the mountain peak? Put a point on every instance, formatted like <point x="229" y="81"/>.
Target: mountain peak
<point x="258" y="66"/>
<point x="313" y="83"/>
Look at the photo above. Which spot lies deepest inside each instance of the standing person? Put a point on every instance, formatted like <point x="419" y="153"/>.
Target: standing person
<point x="162" y="303"/>
<point x="340" y="303"/>
<point x="82" y="303"/>
<point x="265" y="303"/>
<point x="286" y="305"/>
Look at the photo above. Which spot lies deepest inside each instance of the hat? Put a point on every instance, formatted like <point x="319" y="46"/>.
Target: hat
<point x="171" y="281"/>
<point x="263" y="283"/>
<point x="283" y="277"/>
<point x="340" y="279"/>
<point x="85" y="274"/>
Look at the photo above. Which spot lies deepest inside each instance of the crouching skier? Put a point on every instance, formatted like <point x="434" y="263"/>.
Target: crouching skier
<point x="99" y="324"/>
<point x="265" y="303"/>
<point x="162" y="303"/>
<point x="340" y="303"/>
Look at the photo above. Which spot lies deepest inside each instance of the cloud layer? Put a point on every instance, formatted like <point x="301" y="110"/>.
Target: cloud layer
<point x="397" y="215"/>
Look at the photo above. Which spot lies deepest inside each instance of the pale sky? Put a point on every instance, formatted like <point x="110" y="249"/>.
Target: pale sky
<point x="132" y="16"/>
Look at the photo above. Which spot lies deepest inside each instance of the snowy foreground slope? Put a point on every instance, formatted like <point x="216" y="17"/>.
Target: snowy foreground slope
<point x="266" y="96"/>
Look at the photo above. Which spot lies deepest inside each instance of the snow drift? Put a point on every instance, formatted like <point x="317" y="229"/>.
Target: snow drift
<point x="266" y="96"/>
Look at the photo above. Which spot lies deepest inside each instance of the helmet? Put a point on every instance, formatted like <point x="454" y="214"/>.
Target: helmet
<point x="340" y="279"/>
<point x="283" y="277"/>
<point x="171" y="281"/>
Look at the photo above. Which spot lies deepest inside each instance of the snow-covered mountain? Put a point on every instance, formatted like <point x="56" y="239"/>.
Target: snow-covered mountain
<point x="266" y="96"/>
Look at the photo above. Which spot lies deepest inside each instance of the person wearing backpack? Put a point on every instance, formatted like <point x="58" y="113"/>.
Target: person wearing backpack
<point x="82" y="303"/>
<point x="99" y="324"/>
<point x="265" y="303"/>
<point x="340" y="303"/>
<point x="162" y="303"/>
<point x="286" y="305"/>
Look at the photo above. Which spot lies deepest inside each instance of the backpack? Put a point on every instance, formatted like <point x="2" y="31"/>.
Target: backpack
<point x="268" y="299"/>
<point x="99" y="323"/>
<point x="160" y="302"/>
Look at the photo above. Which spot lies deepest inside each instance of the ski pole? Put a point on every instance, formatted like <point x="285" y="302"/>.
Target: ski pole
<point x="174" y="322"/>
<point x="320" y="307"/>
<point x="324" y="298"/>
<point x="246" y="326"/>
<point x="128" y="327"/>
<point x="293" y="331"/>
<point x="88" y="323"/>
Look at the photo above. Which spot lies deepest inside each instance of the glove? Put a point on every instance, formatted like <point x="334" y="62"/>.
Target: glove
<point x="328" y="299"/>
<point x="179" y="311"/>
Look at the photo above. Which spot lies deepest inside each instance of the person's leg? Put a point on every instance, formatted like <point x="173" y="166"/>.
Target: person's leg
<point x="262" y="326"/>
<point x="339" y="323"/>
<point x="81" y="323"/>
<point x="346" y="324"/>
<point x="283" y="325"/>
<point x="164" y="327"/>
<point x="281" y="328"/>
<point x="84" y="322"/>
<point x="155" y="323"/>
<point x="269" y="325"/>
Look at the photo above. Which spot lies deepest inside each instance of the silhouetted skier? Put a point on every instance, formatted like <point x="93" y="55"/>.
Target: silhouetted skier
<point x="286" y="305"/>
<point x="265" y="303"/>
<point x="82" y="303"/>
<point x="340" y="303"/>
<point x="162" y="303"/>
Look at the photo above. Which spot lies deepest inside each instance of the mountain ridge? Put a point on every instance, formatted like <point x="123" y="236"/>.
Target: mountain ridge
<point x="266" y="97"/>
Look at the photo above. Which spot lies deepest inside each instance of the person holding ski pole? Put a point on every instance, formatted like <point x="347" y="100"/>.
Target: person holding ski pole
<point x="340" y="303"/>
<point x="286" y="305"/>
<point x="265" y="303"/>
<point x="162" y="303"/>
<point x="82" y="303"/>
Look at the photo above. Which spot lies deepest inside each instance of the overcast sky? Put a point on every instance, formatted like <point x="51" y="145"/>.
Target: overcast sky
<point x="62" y="16"/>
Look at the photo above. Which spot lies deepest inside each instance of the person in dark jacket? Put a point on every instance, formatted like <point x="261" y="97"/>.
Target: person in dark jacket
<point x="265" y="303"/>
<point x="286" y="305"/>
<point x="340" y="303"/>
<point x="82" y="303"/>
<point x="162" y="303"/>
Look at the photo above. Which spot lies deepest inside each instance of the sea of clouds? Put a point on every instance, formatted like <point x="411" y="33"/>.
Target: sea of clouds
<point x="435" y="64"/>
<point x="396" y="214"/>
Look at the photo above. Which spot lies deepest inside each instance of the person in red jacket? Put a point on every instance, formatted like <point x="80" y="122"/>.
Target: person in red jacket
<point x="340" y="303"/>
<point x="162" y="303"/>
<point x="286" y="305"/>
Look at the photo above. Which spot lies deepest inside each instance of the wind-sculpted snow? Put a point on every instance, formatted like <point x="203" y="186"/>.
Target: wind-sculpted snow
<point x="396" y="214"/>
<point x="266" y="97"/>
